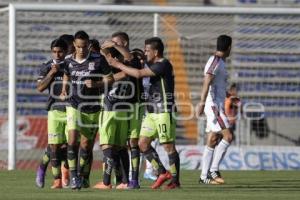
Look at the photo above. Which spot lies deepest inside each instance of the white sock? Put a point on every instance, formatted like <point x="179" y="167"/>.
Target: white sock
<point x="219" y="154"/>
<point x="149" y="168"/>
<point x="206" y="161"/>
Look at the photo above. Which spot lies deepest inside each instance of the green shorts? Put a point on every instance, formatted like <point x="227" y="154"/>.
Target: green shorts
<point x="113" y="128"/>
<point x="85" y="123"/>
<point x="57" y="132"/>
<point x="135" y="121"/>
<point x="159" y="125"/>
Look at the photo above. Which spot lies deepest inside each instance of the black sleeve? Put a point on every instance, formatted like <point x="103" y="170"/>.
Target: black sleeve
<point x="66" y="68"/>
<point x="158" y="69"/>
<point x="43" y="71"/>
<point x="105" y="69"/>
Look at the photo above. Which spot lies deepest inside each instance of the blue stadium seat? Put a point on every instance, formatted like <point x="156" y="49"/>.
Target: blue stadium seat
<point x="281" y="102"/>
<point x="40" y="27"/>
<point x="31" y="98"/>
<point x="26" y="85"/>
<point x="25" y="111"/>
<point x="289" y="30"/>
<point x="269" y="87"/>
<point x="34" y="57"/>
<point x="27" y="70"/>
<point x="256" y="73"/>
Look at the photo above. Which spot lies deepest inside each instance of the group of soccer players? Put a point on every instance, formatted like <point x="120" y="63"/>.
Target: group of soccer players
<point x="95" y="89"/>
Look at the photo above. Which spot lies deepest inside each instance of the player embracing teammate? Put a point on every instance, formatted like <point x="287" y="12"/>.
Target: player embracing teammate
<point x="103" y="92"/>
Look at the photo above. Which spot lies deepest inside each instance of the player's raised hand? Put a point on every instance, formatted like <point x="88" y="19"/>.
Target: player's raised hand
<point x="54" y="68"/>
<point x="63" y="95"/>
<point x="112" y="61"/>
<point x="199" y="109"/>
<point x="108" y="44"/>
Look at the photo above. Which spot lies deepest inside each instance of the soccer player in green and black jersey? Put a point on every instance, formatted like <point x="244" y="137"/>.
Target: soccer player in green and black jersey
<point x="120" y="41"/>
<point x="159" y="121"/>
<point x="87" y="72"/>
<point x="50" y="77"/>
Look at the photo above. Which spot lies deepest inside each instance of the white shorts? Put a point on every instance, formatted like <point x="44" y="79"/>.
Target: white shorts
<point x="216" y="119"/>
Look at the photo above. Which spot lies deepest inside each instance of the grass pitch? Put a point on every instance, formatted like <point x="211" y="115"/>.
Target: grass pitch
<point x="256" y="185"/>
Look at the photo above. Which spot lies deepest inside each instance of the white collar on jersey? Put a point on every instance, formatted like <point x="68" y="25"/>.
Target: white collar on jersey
<point x="55" y="62"/>
<point x="83" y="60"/>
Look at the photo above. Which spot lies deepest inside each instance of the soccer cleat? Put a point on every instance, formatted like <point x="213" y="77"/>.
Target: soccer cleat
<point x="102" y="186"/>
<point x="122" y="186"/>
<point x="40" y="177"/>
<point x="133" y="184"/>
<point x="85" y="183"/>
<point x="208" y="181"/>
<point x="65" y="176"/>
<point x="150" y="176"/>
<point x="161" y="179"/>
<point x="216" y="175"/>
<point x="57" y="184"/>
<point x="172" y="185"/>
<point x="75" y="183"/>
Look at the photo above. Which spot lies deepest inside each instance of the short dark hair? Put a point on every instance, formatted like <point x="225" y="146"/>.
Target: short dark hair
<point x="122" y="35"/>
<point x="95" y="45"/>
<point x="139" y="53"/>
<point x="69" y="39"/>
<point x="114" y="52"/>
<point x="156" y="44"/>
<point x="59" y="43"/>
<point x="223" y="42"/>
<point x="82" y="35"/>
<point x="233" y="85"/>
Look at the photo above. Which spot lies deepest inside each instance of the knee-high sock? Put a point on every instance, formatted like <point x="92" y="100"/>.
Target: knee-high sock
<point x="124" y="157"/>
<point x="135" y="163"/>
<point x="174" y="162"/>
<point x="64" y="157"/>
<point x="56" y="163"/>
<point x="118" y="168"/>
<point x="73" y="159"/>
<point x="152" y="156"/>
<point x="219" y="153"/>
<point x="46" y="158"/>
<point x="109" y="164"/>
<point x="83" y="160"/>
<point x="88" y="166"/>
<point x="206" y="161"/>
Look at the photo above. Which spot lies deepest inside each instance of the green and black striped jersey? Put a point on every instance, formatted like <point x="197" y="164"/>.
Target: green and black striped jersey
<point x="161" y="92"/>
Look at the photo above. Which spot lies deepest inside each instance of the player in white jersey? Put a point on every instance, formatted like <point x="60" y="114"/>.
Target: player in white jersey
<point x="212" y="104"/>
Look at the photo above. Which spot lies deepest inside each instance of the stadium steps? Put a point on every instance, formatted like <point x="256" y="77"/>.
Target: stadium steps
<point x="181" y="82"/>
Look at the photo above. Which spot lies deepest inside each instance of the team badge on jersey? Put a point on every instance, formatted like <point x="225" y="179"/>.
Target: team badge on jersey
<point x="91" y="66"/>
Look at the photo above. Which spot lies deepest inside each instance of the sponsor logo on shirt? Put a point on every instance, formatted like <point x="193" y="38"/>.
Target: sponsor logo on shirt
<point x="92" y="66"/>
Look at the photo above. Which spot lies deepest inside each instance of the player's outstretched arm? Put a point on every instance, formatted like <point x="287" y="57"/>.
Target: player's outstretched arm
<point x="206" y="83"/>
<point x="120" y="76"/>
<point x="137" y="73"/>
<point x="131" y="71"/>
<point x="106" y="81"/>
<point x="42" y="84"/>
